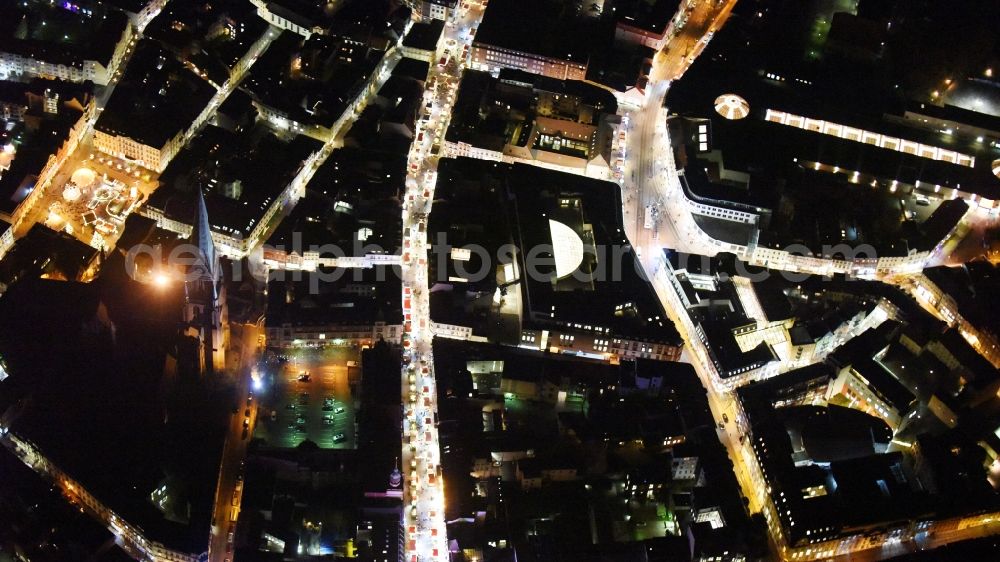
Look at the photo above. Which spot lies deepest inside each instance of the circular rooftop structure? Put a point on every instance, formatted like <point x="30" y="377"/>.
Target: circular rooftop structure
<point x="71" y="192"/>
<point x="83" y="177"/>
<point x="732" y="106"/>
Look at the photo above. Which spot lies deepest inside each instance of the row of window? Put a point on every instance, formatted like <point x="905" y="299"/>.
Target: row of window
<point x="869" y="137"/>
<point x="725" y="213"/>
<point x="616" y="345"/>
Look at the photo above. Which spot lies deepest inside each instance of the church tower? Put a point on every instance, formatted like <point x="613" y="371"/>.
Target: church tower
<point x="396" y="478"/>
<point x="205" y="309"/>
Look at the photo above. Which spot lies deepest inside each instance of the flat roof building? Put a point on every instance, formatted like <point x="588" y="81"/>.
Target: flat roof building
<point x="244" y="177"/>
<point x="538" y="37"/>
<point x="832" y="115"/>
<point x="649" y="23"/>
<point x="423" y="40"/>
<point x="153" y="106"/>
<point x="42" y="40"/>
<point x="570" y="286"/>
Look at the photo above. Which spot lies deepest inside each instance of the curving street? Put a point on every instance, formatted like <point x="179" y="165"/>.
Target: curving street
<point x="650" y="182"/>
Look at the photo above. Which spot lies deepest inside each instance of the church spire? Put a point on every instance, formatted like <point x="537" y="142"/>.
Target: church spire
<point x="205" y="309"/>
<point x="396" y="477"/>
<point x="202" y="235"/>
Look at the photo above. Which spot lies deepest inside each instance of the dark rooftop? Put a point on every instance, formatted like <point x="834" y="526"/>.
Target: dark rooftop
<point x="649" y="16"/>
<point x="212" y="36"/>
<point x="241" y="174"/>
<point x="729" y="359"/>
<point x="618" y="298"/>
<point x="51" y="33"/>
<point x="941" y="223"/>
<point x="412" y="68"/>
<point x="41" y="523"/>
<point x="975" y="286"/>
<point x="833" y="433"/>
<point x="424" y="35"/>
<point x="546" y="27"/>
<point x="466" y="124"/>
<point x="354" y="189"/>
<point x="318" y="300"/>
<point x="311" y="80"/>
<point x="854" y="481"/>
<point x="45" y="252"/>
<point x="157" y="98"/>
<point x="767" y="61"/>
<point x="103" y="406"/>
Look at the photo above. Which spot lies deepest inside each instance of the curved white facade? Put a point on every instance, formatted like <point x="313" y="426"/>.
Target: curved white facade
<point x="567" y="248"/>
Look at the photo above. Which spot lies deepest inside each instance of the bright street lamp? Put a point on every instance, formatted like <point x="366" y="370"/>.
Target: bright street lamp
<point x="161" y="280"/>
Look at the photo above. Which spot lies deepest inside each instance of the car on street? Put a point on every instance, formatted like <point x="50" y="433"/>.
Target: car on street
<point x="339" y="437"/>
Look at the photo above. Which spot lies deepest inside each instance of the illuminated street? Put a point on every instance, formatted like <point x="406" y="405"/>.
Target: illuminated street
<point x="228" y="495"/>
<point x="423" y="491"/>
<point x="705" y="280"/>
<point x="651" y="182"/>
